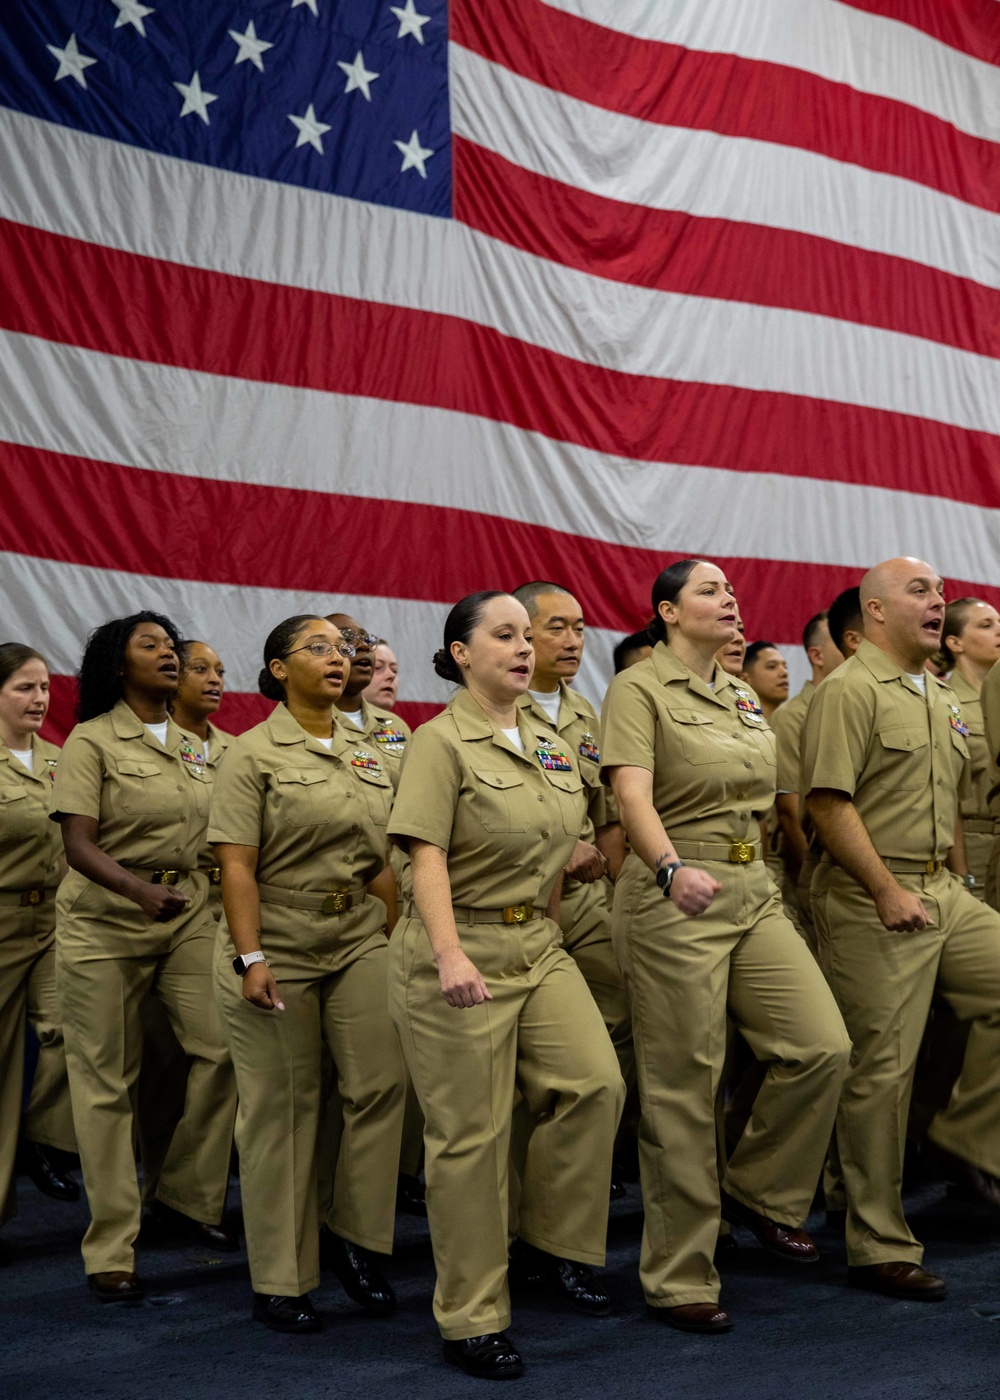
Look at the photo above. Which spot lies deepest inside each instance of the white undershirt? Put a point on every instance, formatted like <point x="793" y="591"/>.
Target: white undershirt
<point x="356" y="717"/>
<point x="920" y="681"/>
<point x="550" y="703"/>
<point x="25" y="756"/>
<point x="205" y="743"/>
<point x="327" y="743"/>
<point x="159" y="731"/>
<point x="514" y="735"/>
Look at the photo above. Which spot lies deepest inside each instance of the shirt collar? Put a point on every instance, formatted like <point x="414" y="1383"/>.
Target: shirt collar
<point x="669" y="670"/>
<point x="884" y="669"/>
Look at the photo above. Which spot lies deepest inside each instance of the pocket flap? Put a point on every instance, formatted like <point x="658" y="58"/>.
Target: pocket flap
<point x="11" y="794"/>
<point x="568" y="782"/>
<point x="903" y="736"/>
<point x="132" y="768"/>
<point x="689" y="717"/>
<point x="368" y="775"/>
<point x="301" y="775"/>
<point x="507" y="779"/>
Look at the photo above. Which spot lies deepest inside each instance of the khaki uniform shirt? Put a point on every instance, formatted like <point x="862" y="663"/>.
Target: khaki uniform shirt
<point x="786" y="724"/>
<point x="218" y="743"/>
<point x="150" y="800"/>
<point x="989" y="698"/>
<point x="578" y="728"/>
<point x="388" y="736"/>
<point x="508" y="823"/>
<point x="709" y="750"/>
<point x="977" y="805"/>
<point x="317" y="815"/>
<point x="30" y="845"/>
<point x="900" y="756"/>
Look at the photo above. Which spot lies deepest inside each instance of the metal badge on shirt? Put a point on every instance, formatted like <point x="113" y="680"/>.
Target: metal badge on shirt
<point x="957" y="722"/>
<point x="52" y="768"/>
<point x="552" y="759"/>
<point x="194" y="760"/>
<point x="393" y="740"/>
<point x="748" y="705"/>
<point x="363" y="759"/>
<point x="588" y="748"/>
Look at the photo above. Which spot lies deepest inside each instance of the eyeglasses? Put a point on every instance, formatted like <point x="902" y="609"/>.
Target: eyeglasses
<point x="325" y="649"/>
<point x="356" y="639"/>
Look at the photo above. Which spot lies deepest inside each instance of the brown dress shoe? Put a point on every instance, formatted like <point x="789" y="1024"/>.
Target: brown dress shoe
<point x="694" y="1317"/>
<point x="972" y="1181"/>
<point x="783" y="1241"/>
<point x="115" y="1287"/>
<point x="898" y="1279"/>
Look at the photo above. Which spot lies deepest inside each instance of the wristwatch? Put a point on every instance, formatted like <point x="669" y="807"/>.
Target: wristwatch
<point x="665" y="876"/>
<point x="969" y="881"/>
<point x="243" y="963"/>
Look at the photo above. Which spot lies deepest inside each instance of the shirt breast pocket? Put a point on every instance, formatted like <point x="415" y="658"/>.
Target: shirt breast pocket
<point x="694" y="731"/>
<point x="763" y="738"/>
<point x="378" y="790"/>
<point x="961" y="745"/>
<point x="15" y="813"/>
<point x="501" y="800"/>
<point x="141" y="794"/>
<point x="305" y="798"/>
<point x="572" y="798"/>
<point x="905" y="766"/>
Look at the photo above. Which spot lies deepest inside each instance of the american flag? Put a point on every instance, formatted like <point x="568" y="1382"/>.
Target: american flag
<point x="317" y="304"/>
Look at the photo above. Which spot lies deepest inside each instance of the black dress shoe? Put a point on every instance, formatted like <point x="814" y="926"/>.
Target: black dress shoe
<point x="726" y="1247"/>
<point x="966" y="1181"/>
<point x="410" y="1195"/>
<point x="361" y="1277"/>
<point x="491" y="1357"/>
<point x="117" y="1286"/>
<point x="283" y="1314"/>
<point x="532" y="1268"/>
<point x="167" y="1223"/>
<point x="39" y="1164"/>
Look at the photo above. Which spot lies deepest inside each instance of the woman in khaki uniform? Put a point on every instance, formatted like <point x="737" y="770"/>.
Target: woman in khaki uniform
<point x="699" y="929"/>
<point x="30" y="868"/>
<point x="486" y="1001"/>
<point x="131" y="920"/>
<point x="970" y="641"/>
<point x="299" y="813"/>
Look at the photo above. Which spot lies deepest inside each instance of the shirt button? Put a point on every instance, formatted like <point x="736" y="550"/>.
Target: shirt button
<point x="541" y="797"/>
<point x="177" y="850"/>
<point x="747" y="763"/>
<point x="546" y="835"/>
<point x="355" y="829"/>
<point x="535" y="870"/>
<point x="180" y="787"/>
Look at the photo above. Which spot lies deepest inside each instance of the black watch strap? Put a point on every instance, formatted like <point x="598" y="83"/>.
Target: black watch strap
<point x="665" y="875"/>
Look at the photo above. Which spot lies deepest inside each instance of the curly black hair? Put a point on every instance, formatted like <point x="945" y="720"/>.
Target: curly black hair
<point x="99" y="678"/>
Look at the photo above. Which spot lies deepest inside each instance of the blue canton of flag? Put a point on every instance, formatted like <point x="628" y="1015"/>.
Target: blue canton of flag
<point x="345" y="96"/>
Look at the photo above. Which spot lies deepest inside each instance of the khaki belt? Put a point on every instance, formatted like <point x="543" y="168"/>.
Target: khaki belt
<point x="913" y="867"/>
<point x="511" y="914"/>
<point x="159" y="876"/>
<point x="214" y="873"/>
<point x="982" y="826"/>
<point x="736" y="852"/>
<point x="335" y="901"/>
<point x="36" y="895"/>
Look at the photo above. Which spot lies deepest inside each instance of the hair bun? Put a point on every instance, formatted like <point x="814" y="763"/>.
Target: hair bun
<point x="446" y="666"/>
<point x="269" y="685"/>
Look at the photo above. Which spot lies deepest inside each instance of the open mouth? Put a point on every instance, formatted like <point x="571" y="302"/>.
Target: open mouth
<point x="519" y="670"/>
<point x="169" y="670"/>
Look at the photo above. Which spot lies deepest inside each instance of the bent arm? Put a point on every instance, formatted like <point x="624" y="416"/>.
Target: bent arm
<point x="84" y="855"/>
<point x="633" y="790"/>
<point x="845" y="836"/>
<point x="796" y="845"/>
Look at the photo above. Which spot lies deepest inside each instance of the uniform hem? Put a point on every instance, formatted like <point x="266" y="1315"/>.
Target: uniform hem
<point x="758" y="1208"/>
<point x="297" y="1289"/>
<point x="684" y="1300"/>
<point x="475" y="1329"/>
<point x="201" y="1214"/>
<point x="122" y="1263"/>
<point x="938" y="1139"/>
<point x="44" y="1140"/>
<point x="377" y="1244"/>
<point x="903" y="1254"/>
<point x="562" y="1251"/>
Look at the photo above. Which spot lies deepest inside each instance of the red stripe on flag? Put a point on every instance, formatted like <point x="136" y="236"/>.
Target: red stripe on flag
<point x="674" y="86"/>
<point x="100" y="298"/>
<point x="970" y="25"/>
<point x="672" y="251"/>
<point x="110" y="517"/>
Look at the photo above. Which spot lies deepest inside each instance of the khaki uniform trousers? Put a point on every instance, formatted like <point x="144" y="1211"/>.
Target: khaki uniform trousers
<point x="993" y="875"/>
<point x="586" y="925"/>
<point x="331" y="972"/>
<point x="680" y="974"/>
<point x="541" y="1035"/>
<point x="884" y="983"/>
<point x="979" y="840"/>
<point x="28" y="991"/>
<point x="105" y="968"/>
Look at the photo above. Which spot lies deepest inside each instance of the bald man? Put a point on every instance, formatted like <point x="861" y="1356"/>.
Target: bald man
<point x="885" y="762"/>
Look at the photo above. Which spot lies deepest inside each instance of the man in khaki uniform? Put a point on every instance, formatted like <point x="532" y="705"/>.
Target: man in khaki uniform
<point x="150" y="803"/>
<point x="886" y="760"/>
<point x="990" y="699"/>
<point x="558" y="639"/>
<point x="30" y="869"/>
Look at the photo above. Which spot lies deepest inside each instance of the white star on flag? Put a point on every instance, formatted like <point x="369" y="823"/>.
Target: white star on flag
<point x="409" y="21"/>
<point x="414" y="155"/>
<point x="310" y="129"/>
<point x="310" y="3"/>
<point x="195" y="100"/>
<point x="71" y="61"/>
<point x="131" y="12"/>
<point x="358" y="76"/>
<point x="250" y="47"/>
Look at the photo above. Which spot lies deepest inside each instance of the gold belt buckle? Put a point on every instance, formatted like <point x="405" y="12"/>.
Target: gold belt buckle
<point x="165" y="877"/>
<point x="518" y="913"/>
<point x="215" y="874"/>
<point x="740" y="853"/>
<point x="338" y="902"/>
<point x="35" y="896"/>
<point x="933" y="866"/>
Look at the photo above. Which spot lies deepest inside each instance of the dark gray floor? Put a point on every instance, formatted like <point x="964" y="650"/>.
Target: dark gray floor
<point x="800" y="1334"/>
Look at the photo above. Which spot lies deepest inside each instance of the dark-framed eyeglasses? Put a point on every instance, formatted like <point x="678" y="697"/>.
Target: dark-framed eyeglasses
<point x="356" y="638"/>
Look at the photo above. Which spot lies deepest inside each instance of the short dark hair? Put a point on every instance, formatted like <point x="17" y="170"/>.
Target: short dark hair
<point x="845" y="612"/>
<point x="811" y="629"/>
<point x="956" y="615"/>
<point x="276" y="648"/>
<point x="754" y="650"/>
<point x="14" y="655"/>
<point x="528" y="594"/>
<point x="666" y="589"/>
<point x="635" y="641"/>
<point x="459" y="626"/>
<point x="100" y="675"/>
